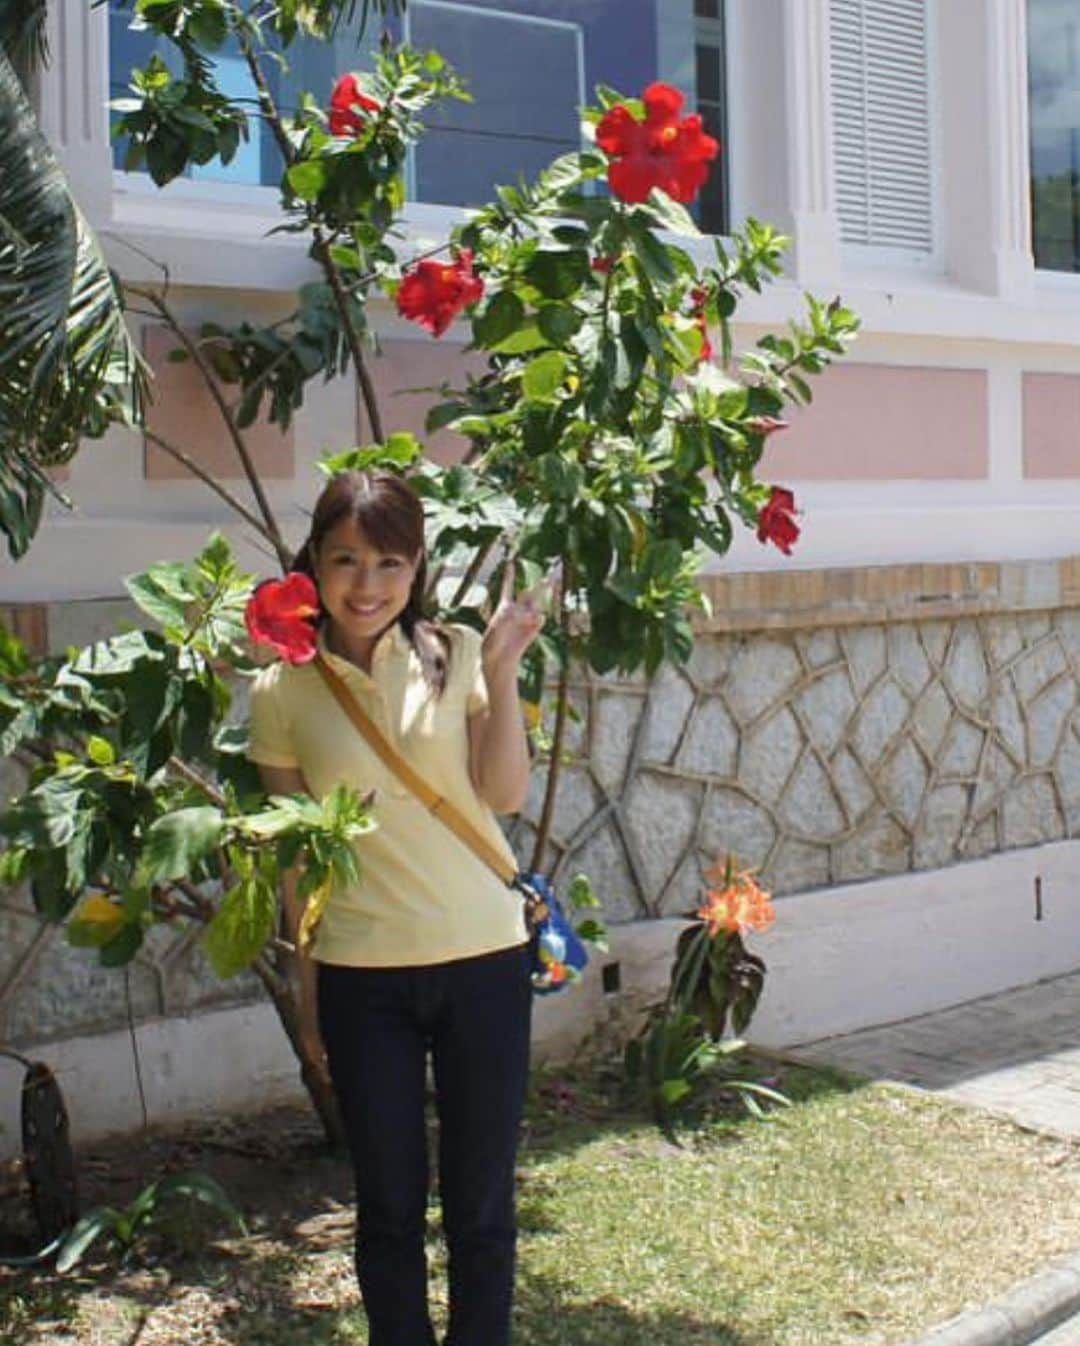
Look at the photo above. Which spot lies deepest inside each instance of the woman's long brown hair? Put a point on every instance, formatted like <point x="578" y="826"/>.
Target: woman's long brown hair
<point x="390" y="516"/>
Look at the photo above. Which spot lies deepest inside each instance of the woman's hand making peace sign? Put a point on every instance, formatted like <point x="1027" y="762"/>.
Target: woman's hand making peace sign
<point x="514" y="625"/>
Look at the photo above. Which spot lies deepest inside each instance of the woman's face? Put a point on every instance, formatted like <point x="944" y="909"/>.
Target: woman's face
<point x="363" y="590"/>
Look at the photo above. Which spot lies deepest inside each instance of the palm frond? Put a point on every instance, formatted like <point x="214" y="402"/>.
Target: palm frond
<point x="334" y="13"/>
<point x="22" y="32"/>
<point x="68" y="367"/>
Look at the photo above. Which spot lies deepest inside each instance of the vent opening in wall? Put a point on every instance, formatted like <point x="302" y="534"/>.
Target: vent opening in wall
<point x="881" y="123"/>
<point x="611" y="978"/>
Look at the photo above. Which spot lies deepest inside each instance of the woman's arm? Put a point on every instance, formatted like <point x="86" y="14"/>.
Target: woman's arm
<point x="498" y="749"/>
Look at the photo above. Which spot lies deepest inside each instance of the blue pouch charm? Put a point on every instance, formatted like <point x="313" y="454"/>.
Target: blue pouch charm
<point x="558" y="954"/>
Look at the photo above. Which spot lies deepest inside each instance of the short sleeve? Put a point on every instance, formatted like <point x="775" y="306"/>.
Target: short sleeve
<point x="270" y="742"/>
<point x="471" y="672"/>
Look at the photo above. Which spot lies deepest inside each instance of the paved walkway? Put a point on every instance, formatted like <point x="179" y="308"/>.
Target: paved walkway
<point x="1016" y="1054"/>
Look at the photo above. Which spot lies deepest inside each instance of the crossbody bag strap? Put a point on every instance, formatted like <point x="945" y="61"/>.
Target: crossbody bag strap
<point x="434" y="802"/>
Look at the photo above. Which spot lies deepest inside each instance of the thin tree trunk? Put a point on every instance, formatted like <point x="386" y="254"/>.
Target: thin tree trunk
<point x="315" y="1080"/>
<point x="563" y="694"/>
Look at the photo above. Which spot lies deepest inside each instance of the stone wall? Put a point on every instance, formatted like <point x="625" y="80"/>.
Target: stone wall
<point x="825" y="757"/>
<point x="831" y="727"/>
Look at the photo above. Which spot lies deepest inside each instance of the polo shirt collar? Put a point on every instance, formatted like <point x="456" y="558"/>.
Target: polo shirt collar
<point x="393" y="641"/>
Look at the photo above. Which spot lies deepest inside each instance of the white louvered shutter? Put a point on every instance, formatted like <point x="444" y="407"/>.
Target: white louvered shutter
<point x="881" y="123"/>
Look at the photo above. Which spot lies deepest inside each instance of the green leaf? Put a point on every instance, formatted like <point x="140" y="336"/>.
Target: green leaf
<point x="308" y="178"/>
<point x="163" y="592"/>
<point x="557" y="275"/>
<point x="559" y="322"/>
<point x="122" y="949"/>
<point x="177" y="842"/>
<point x="673" y="1091"/>
<point x="241" y="926"/>
<point x="100" y="1220"/>
<point x="544" y="375"/>
<point x="502" y="316"/>
<point x="593" y="932"/>
<point x="581" y="894"/>
<point x="196" y="1186"/>
<point x="100" y="751"/>
<point x="528" y="337"/>
<point x="669" y="214"/>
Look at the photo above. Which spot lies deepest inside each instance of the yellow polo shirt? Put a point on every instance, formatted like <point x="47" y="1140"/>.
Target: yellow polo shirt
<point x="423" y="896"/>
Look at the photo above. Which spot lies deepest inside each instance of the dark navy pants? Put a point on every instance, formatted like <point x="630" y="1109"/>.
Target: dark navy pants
<point x="378" y="1024"/>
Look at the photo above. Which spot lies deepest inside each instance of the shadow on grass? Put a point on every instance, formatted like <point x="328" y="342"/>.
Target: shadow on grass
<point x="290" y="1283"/>
<point x="544" y="1317"/>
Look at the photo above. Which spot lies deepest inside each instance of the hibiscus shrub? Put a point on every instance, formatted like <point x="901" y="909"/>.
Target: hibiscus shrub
<point x="614" y="432"/>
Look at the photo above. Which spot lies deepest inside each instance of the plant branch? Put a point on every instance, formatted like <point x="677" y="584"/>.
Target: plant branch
<point x="352" y="337"/>
<point x="544" y="826"/>
<point x="482" y="553"/>
<point x="193" y="777"/>
<point x="321" y="246"/>
<point x="205" y="477"/>
<point x="193" y="349"/>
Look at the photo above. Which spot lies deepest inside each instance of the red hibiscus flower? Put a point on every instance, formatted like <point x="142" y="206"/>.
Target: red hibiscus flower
<point x="776" y="522"/>
<point x="434" y="293"/>
<point x="345" y="120"/>
<point x="665" y="150"/>
<point x="279" y="614"/>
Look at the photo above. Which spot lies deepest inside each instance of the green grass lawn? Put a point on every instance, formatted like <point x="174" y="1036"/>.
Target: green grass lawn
<point x="860" y="1214"/>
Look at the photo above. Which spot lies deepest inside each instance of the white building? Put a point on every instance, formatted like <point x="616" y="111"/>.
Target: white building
<point x="906" y="761"/>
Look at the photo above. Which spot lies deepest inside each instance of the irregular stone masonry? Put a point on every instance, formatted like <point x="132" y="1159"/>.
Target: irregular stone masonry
<point x="822" y="757"/>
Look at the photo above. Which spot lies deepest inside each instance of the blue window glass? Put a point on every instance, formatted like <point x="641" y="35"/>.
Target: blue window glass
<point x="311" y="65"/>
<point x="529" y="64"/>
<point x="1054" y="94"/>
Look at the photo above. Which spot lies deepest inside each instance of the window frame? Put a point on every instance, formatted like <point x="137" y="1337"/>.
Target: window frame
<point x="715" y="32"/>
<point x="1046" y="277"/>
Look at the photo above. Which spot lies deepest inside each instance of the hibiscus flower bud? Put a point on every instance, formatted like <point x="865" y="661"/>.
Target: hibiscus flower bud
<point x="281" y="614"/>
<point x="776" y="522"/>
<point x="665" y="150"/>
<point x="433" y="293"/>
<point x="346" y="98"/>
<point x="764" y="425"/>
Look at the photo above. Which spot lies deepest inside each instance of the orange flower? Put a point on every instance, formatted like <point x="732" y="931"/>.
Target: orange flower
<point x="740" y="906"/>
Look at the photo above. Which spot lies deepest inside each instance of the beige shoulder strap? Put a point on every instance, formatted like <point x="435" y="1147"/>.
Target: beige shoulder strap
<point x="442" y="808"/>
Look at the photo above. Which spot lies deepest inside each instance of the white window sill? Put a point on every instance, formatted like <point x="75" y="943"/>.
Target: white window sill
<point x="218" y="235"/>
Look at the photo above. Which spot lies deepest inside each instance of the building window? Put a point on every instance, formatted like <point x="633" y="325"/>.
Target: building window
<point x="1054" y="99"/>
<point x="710" y="84"/>
<point x="526" y="74"/>
<point x="881" y="123"/>
<point x="529" y="65"/>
